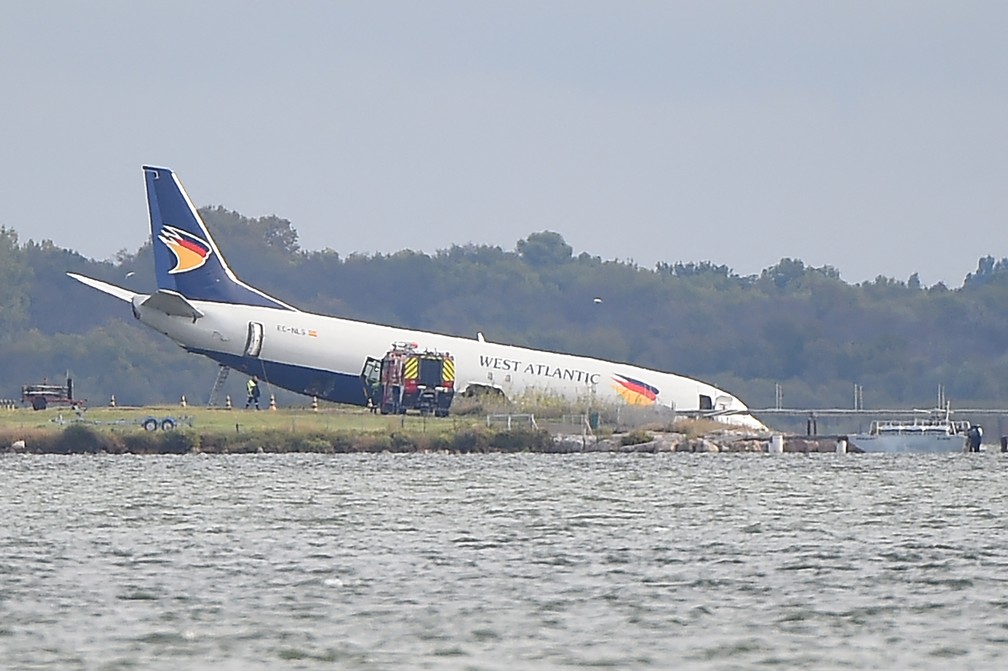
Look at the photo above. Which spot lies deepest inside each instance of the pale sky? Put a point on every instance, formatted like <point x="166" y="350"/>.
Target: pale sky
<point x="870" y="136"/>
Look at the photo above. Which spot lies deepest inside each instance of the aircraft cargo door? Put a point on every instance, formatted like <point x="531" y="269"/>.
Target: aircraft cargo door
<point x="254" y="341"/>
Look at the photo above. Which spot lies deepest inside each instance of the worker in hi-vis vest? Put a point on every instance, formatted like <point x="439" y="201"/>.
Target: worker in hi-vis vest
<point x="253" y="392"/>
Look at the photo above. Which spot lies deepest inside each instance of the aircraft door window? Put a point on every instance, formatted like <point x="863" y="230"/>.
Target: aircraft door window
<point x="371" y="380"/>
<point x="254" y="342"/>
<point x="372" y="370"/>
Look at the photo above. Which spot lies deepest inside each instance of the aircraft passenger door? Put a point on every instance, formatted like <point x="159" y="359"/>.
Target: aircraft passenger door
<point x="254" y="341"/>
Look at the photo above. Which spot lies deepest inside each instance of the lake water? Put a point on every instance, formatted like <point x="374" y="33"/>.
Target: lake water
<point x="434" y="561"/>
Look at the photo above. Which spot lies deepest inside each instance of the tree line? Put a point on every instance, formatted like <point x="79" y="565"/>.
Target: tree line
<point x="793" y="325"/>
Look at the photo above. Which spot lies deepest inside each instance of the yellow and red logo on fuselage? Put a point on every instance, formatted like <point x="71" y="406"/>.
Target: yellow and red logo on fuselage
<point x="190" y="252"/>
<point x="635" y="392"/>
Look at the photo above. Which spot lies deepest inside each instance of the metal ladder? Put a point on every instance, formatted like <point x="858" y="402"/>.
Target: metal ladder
<point x="222" y="374"/>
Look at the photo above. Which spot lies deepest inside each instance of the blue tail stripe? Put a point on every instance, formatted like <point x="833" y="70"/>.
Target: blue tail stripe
<point x="186" y="259"/>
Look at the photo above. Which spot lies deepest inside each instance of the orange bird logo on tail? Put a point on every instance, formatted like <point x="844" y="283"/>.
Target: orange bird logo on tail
<point x="190" y="252"/>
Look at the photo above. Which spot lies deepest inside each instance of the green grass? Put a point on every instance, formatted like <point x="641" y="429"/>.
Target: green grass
<point x="332" y="428"/>
<point x="214" y="420"/>
<point x="335" y="429"/>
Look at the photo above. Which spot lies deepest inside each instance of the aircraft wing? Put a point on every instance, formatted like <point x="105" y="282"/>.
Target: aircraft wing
<point x="104" y="287"/>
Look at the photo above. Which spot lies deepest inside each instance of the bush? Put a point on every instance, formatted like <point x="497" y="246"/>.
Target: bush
<point x="79" y="439"/>
<point x="636" y="437"/>
<point x="518" y="440"/>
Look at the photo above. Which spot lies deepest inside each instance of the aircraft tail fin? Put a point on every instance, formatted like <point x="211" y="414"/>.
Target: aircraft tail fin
<point x="186" y="259"/>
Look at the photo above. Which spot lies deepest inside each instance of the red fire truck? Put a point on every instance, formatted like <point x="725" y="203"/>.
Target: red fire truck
<point x="41" y="396"/>
<point x="407" y="378"/>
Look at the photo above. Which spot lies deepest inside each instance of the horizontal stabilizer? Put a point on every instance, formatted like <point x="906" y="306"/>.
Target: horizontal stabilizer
<point x="110" y="289"/>
<point x="172" y="303"/>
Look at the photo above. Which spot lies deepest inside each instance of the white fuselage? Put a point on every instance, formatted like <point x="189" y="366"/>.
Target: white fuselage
<point x="341" y="346"/>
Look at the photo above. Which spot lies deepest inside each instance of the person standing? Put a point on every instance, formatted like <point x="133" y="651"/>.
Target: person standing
<point x="252" y="387"/>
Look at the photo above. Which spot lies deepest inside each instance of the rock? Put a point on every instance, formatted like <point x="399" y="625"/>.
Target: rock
<point x="809" y="445"/>
<point x="667" y="442"/>
<point x="18" y="446"/>
<point x="712" y="443"/>
<point x="698" y="445"/>
<point x="564" y="443"/>
<point x="748" y="445"/>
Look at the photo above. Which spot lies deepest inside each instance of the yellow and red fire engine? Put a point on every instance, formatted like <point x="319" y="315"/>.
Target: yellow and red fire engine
<point x="408" y="378"/>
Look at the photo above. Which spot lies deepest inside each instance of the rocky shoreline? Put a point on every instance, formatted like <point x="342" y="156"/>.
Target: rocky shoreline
<point x="80" y="439"/>
<point x="715" y="443"/>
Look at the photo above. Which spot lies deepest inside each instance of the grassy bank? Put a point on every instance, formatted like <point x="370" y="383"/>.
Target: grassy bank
<point x="334" y="430"/>
<point x="219" y="420"/>
<point x="340" y="429"/>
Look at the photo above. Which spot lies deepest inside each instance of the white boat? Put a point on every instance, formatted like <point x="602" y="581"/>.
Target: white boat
<point x="936" y="432"/>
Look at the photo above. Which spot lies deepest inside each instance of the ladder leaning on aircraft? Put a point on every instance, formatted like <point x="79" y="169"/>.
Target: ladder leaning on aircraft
<point x="202" y="305"/>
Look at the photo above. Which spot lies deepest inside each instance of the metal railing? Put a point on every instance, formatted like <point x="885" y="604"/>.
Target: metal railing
<point x="510" y="421"/>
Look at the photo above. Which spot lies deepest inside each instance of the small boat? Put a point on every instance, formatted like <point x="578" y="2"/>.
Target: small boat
<point x="936" y="432"/>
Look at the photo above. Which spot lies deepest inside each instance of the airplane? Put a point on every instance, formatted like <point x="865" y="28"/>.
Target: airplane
<point x="206" y="309"/>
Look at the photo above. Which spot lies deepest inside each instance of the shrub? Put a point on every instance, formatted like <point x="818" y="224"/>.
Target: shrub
<point x="79" y="439"/>
<point x="636" y="437"/>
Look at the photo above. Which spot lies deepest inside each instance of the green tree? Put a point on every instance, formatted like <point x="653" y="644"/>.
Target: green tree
<point x="545" y="248"/>
<point x="15" y="282"/>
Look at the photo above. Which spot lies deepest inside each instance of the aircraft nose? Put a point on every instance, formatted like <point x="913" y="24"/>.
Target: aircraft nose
<point x="743" y="417"/>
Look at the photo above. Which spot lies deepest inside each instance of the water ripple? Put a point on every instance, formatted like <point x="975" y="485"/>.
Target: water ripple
<point x="501" y="561"/>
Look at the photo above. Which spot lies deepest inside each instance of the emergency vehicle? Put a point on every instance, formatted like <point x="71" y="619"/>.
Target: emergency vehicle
<point x="407" y="378"/>
<point x="41" y="396"/>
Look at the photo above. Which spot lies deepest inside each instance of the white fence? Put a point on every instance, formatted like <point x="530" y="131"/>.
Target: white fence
<point x="510" y="421"/>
